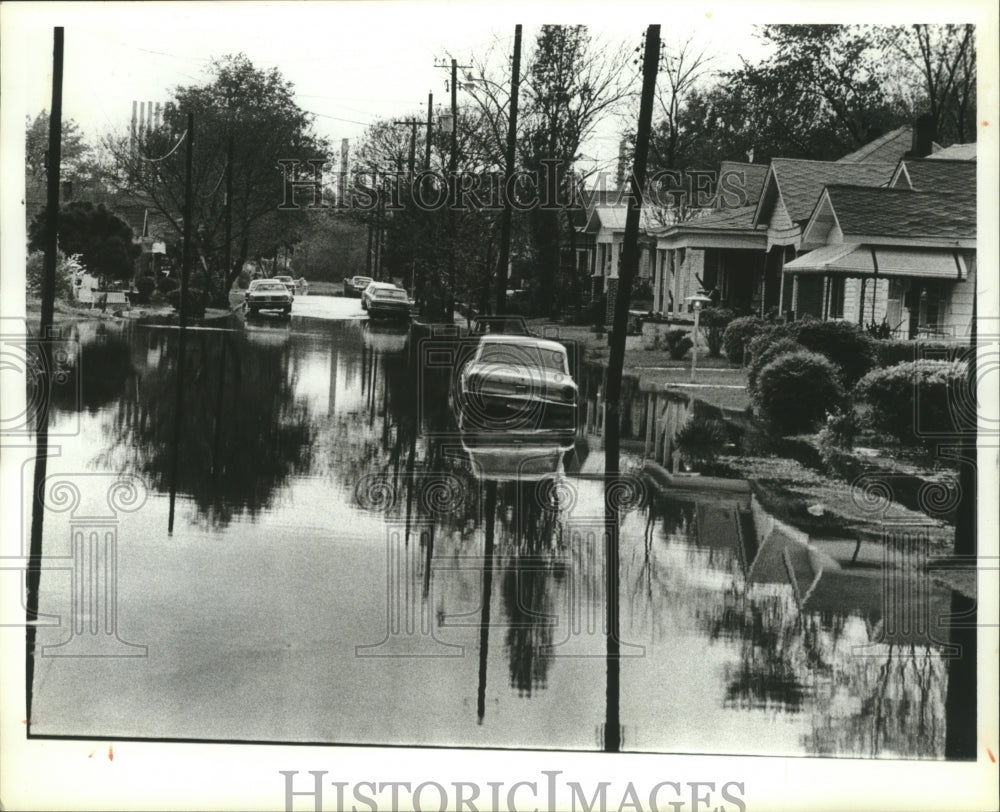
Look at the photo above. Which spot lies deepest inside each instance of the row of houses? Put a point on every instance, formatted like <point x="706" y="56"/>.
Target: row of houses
<point x="885" y="236"/>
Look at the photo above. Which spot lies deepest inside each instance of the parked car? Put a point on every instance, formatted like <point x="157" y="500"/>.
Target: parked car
<point x="356" y="285"/>
<point x="518" y="387"/>
<point x="382" y="299"/>
<point x="268" y="294"/>
<point x="288" y="282"/>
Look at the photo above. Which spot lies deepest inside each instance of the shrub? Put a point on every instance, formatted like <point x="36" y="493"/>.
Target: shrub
<point x="845" y="344"/>
<point x="738" y="334"/>
<point x="912" y="399"/>
<point x="796" y="390"/>
<point x="167" y="284"/>
<point x="144" y="287"/>
<point x="678" y="343"/>
<point x="65" y="267"/>
<point x="841" y="429"/>
<point x="713" y="322"/>
<point x="764" y="355"/>
<point x="701" y="440"/>
<point x="891" y="352"/>
<point x="194" y="303"/>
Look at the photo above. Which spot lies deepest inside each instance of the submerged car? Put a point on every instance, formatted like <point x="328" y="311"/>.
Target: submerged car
<point x="356" y="285"/>
<point x="268" y="294"/>
<point x="385" y="300"/>
<point x="519" y="387"/>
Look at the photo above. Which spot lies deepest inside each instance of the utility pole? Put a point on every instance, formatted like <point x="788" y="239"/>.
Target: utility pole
<point x="182" y="333"/>
<point x="412" y="124"/>
<point x="630" y="254"/>
<point x="503" y="260"/>
<point x="452" y="185"/>
<point x="427" y="146"/>
<point x="612" y="418"/>
<point x="53" y="170"/>
<point x="229" y="213"/>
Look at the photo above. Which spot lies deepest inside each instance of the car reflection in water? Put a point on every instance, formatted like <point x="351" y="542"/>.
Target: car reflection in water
<point x="385" y="338"/>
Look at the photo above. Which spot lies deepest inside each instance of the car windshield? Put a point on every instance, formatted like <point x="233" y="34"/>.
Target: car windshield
<point x="362" y="280"/>
<point x="390" y="293"/>
<point x="523" y="355"/>
<point x="269" y="287"/>
<point x="282" y="279"/>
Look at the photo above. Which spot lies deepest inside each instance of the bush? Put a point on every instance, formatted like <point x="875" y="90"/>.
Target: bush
<point x="194" y="303"/>
<point x="144" y="287"/>
<point x="912" y="399"/>
<point x="65" y="267"/>
<point x="796" y="390"/>
<point x="702" y="440"/>
<point x="738" y="334"/>
<point x="891" y="352"/>
<point x="852" y="350"/>
<point x="764" y="355"/>
<point x="678" y="343"/>
<point x="713" y="322"/>
<point x="840" y="431"/>
<point x="167" y="284"/>
<point x="243" y="280"/>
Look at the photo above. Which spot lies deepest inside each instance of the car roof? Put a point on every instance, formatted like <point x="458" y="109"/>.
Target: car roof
<point x="530" y="341"/>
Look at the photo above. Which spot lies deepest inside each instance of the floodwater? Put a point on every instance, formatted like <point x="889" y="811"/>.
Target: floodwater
<point x="341" y="568"/>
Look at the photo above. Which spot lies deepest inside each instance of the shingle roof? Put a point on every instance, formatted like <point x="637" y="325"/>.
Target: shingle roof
<point x="612" y="217"/>
<point x="800" y="182"/>
<point x="902" y="213"/>
<point x="740" y="219"/>
<point x="956" y="152"/>
<point x="751" y="176"/>
<point x="939" y="175"/>
<point x="889" y="147"/>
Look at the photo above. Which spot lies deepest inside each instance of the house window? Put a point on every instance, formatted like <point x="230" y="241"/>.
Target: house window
<point x="835" y="302"/>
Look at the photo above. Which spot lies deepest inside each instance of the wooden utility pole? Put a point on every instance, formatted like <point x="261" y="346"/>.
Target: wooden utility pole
<point x="452" y="185"/>
<point x="630" y="255"/>
<point x="430" y="124"/>
<point x="229" y="213"/>
<point x="503" y="260"/>
<point x="613" y="389"/>
<point x="184" y="305"/>
<point x="53" y="171"/>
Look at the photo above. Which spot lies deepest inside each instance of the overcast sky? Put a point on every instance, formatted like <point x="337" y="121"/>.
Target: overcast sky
<point x="350" y="62"/>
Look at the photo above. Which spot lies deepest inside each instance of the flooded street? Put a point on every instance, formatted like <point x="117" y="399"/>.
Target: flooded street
<point x="342" y="568"/>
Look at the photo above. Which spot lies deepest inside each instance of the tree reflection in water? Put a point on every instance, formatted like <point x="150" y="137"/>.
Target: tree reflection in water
<point x="242" y="432"/>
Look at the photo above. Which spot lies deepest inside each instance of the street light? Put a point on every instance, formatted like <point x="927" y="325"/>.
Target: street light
<point x="697" y="300"/>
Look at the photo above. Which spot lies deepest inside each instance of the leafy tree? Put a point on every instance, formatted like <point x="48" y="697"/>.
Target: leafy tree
<point x="257" y="108"/>
<point x="65" y="268"/>
<point x="102" y="239"/>
<point x="571" y="84"/>
<point x="74" y="150"/>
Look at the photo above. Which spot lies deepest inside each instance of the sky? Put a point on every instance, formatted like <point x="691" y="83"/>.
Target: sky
<point x="350" y="62"/>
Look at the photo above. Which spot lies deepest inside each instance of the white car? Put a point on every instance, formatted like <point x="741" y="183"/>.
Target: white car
<point x="268" y="294"/>
<point x="518" y="386"/>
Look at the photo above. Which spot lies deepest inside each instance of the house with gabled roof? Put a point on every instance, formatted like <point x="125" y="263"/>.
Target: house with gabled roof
<point x="903" y="255"/>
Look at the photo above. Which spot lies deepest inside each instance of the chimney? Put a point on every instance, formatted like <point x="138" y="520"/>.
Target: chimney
<point x="924" y="133"/>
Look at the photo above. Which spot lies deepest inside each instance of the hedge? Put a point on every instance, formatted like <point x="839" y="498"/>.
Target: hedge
<point x="915" y="402"/>
<point x="797" y="390"/>
<point x="739" y="332"/>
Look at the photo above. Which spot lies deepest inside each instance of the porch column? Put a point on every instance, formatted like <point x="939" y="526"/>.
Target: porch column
<point x="861" y="302"/>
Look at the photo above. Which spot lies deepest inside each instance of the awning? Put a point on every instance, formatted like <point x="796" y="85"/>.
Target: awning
<point x="879" y="260"/>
